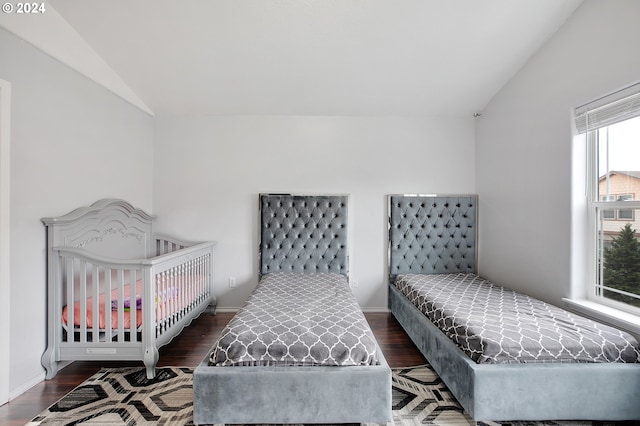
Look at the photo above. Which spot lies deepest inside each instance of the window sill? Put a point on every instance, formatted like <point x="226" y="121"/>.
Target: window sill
<point x="615" y="317"/>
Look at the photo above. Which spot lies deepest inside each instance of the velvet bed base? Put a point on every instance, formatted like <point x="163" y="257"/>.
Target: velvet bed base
<point x="315" y="228"/>
<point x="523" y="391"/>
<point x="350" y="394"/>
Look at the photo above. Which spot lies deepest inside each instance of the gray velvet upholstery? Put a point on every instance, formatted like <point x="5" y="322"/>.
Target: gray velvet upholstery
<point x="303" y="233"/>
<point x="431" y="234"/>
<point x="352" y="394"/>
<point x="435" y="234"/>
<point x="299" y="234"/>
<point x="604" y="391"/>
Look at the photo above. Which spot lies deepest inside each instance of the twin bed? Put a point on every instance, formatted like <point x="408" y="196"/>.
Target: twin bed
<point x="131" y="290"/>
<point x="504" y="355"/>
<point x="300" y="350"/>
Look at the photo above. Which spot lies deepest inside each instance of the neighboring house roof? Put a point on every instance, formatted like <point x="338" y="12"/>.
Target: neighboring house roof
<point x="633" y="174"/>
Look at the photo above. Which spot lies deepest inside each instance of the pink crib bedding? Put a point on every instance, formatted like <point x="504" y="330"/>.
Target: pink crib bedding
<point x="113" y="309"/>
<point x="167" y="303"/>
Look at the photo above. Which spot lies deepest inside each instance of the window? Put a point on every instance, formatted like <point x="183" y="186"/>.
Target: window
<point x="612" y="128"/>
<point x="609" y="214"/>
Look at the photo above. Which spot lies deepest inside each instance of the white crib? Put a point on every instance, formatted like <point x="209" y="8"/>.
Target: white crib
<point x="116" y="291"/>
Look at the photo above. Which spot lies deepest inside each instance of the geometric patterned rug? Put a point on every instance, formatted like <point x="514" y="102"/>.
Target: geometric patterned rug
<point x="124" y="396"/>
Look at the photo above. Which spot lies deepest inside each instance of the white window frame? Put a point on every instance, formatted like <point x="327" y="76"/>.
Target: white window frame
<point x="594" y="204"/>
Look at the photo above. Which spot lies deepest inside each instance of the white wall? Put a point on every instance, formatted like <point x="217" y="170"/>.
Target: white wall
<point x="72" y="143"/>
<point x="209" y="171"/>
<point x="524" y="150"/>
<point x="5" y="231"/>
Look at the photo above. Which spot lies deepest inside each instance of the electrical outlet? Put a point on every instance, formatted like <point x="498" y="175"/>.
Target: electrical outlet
<point x="232" y="282"/>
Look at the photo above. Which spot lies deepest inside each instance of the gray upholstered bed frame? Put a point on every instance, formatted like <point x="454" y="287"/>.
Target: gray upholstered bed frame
<point x="437" y="234"/>
<point x="298" y="234"/>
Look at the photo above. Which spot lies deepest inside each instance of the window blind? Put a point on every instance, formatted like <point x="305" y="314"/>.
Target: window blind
<point x="614" y="108"/>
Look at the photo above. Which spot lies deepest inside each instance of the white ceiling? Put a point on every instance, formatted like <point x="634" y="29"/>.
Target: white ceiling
<point x="315" y="57"/>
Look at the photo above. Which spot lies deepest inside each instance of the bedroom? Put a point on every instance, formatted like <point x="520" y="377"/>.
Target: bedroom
<point x="181" y="162"/>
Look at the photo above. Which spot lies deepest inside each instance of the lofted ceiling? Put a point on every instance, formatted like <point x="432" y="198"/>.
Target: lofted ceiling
<point x="315" y="57"/>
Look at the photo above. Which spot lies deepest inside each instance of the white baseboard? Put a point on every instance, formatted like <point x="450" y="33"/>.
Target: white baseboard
<point x="375" y="310"/>
<point x="13" y="394"/>
<point x="227" y="309"/>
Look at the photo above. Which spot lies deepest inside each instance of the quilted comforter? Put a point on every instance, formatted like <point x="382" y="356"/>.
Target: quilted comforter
<point x="492" y="324"/>
<point x="298" y="319"/>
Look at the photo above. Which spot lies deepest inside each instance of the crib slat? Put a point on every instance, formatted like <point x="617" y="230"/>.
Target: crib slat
<point x="83" y="302"/>
<point x="157" y="278"/>
<point x="180" y="291"/>
<point x="186" y="295"/>
<point x="133" y="323"/>
<point x="192" y="277"/>
<point x="204" y="273"/>
<point x="206" y="276"/>
<point x="120" y="287"/>
<point x="199" y="275"/>
<point x="194" y="285"/>
<point x="194" y="294"/>
<point x="187" y="291"/>
<point x="166" y="312"/>
<point x="96" y="305"/>
<point x="175" y="294"/>
<point x="172" y="285"/>
<point x="195" y="279"/>
<point x="107" y="303"/>
<point x="70" y="300"/>
<point x="160" y="303"/>
<point x="202" y="276"/>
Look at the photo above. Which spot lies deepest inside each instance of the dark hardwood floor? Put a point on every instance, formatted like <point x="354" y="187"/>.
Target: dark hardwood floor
<point x="188" y="349"/>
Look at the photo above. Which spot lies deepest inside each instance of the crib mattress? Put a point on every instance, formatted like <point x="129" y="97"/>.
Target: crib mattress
<point x="494" y="325"/>
<point x="296" y="319"/>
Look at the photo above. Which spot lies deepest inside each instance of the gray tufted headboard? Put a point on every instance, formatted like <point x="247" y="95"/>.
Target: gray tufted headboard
<point x="303" y="233"/>
<point x="431" y="234"/>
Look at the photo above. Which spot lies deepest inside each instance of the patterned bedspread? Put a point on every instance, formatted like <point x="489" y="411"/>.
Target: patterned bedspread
<point x="298" y="319"/>
<point x="493" y="324"/>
